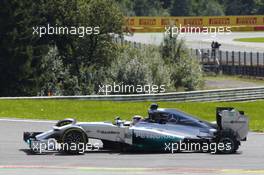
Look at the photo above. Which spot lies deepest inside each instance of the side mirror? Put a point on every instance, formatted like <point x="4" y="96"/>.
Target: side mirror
<point x="64" y="122"/>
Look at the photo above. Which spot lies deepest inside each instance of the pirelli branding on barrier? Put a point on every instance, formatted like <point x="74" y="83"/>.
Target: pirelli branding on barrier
<point x="219" y="21"/>
<point x="246" y="21"/>
<point x="157" y="24"/>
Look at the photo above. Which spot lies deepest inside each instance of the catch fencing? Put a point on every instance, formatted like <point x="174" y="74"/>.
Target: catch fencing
<point x="228" y="62"/>
<point x="231" y="62"/>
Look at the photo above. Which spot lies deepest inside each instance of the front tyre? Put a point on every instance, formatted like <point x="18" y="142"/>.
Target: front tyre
<point x="74" y="141"/>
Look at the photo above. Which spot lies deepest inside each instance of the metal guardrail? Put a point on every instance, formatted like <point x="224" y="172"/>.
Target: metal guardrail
<point x="234" y="94"/>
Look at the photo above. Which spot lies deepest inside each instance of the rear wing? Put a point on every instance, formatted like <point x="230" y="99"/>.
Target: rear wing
<point x="219" y="117"/>
<point x="228" y="118"/>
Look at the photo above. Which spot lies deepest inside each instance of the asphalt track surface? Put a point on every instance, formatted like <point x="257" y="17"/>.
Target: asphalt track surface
<point x="15" y="158"/>
<point x="203" y="41"/>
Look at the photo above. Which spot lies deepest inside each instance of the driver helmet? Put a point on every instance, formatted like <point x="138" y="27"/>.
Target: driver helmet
<point x="136" y="119"/>
<point x="153" y="107"/>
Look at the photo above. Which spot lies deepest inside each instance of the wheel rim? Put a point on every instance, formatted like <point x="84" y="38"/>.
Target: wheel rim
<point x="74" y="137"/>
<point x="225" y="141"/>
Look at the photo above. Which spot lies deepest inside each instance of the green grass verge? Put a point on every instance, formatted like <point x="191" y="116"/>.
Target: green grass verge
<point x="236" y="78"/>
<point x="255" y="40"/>
<point x="106" y="111"/>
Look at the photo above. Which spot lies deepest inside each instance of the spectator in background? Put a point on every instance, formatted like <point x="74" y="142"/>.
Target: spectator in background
<point x="215" y="48"/>
<point x="212" y="49"/>
<point x="217" y="45"/>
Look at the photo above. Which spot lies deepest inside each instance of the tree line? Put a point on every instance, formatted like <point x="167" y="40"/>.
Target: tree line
<point x="70" y="65"/>
<point x="191" y="7"/>
<point x="63" y="64"/>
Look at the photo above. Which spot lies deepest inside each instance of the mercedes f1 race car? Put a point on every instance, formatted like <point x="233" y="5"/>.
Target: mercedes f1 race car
<point x="163" y="130"/>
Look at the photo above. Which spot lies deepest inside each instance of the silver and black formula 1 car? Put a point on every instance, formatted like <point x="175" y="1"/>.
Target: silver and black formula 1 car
<point x="164" y="130"/>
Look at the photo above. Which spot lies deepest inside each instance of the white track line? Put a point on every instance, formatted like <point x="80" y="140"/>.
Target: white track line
<point x="26" y="120"/>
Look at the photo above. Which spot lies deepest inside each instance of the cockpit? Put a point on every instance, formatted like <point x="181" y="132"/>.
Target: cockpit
<point x="172" y="116"/>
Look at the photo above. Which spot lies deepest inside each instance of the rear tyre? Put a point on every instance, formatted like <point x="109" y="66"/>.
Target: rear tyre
<point x="227" y="142"/>
<point x="74" y="141"/>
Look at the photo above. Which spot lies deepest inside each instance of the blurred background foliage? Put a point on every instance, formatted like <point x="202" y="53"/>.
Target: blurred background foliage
<point x="69" y="65"/>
